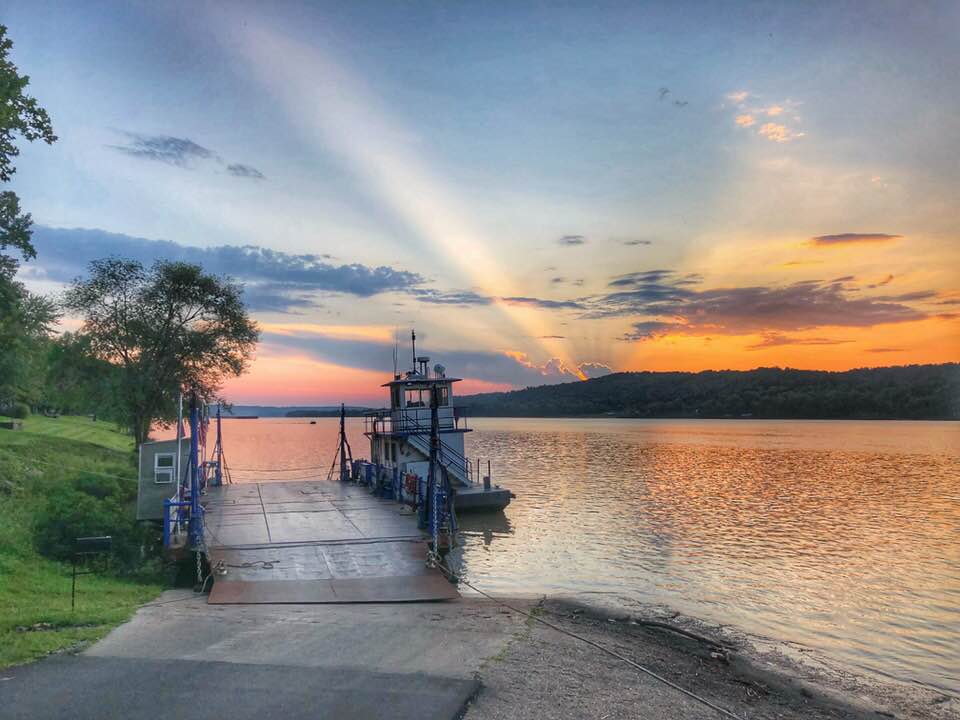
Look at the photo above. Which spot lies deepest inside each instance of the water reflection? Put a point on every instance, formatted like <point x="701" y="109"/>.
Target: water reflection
<point x="839" y="535"/>
<point x="483" y="526"/>
<point x="842" y="536"/>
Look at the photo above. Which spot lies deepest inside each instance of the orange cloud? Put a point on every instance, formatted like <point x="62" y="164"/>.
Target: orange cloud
<point x="778" y="133"/>
<point x="745" y="120"/>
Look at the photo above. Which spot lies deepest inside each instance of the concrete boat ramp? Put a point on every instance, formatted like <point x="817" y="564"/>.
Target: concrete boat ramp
<point x="327" y="610"/>
<point x="315" y="542"/>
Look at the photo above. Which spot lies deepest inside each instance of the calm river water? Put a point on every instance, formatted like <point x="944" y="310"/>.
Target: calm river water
<point x="843" y="536"/>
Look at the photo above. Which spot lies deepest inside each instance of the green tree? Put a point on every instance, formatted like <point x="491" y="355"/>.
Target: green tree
<point x="25" y="319"/>
<point x="77" y="382"/>
<point x="20" y="116"/>
<point x="24" y="332"/>
<point x="170" y="327"/>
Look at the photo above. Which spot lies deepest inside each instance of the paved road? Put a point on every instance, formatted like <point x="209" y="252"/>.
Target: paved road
<point x="96" y="688"/>
<point x="187" y="659"/>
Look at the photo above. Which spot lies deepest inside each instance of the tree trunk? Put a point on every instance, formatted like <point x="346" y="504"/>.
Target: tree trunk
<point x="141" y="430"/>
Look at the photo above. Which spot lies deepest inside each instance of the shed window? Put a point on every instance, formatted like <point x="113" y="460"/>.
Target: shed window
<point x="163" y="468"/>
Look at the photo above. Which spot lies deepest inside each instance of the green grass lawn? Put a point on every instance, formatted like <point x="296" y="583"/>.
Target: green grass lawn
<point x="35" y="614"/>
<point x="104" y="434"/>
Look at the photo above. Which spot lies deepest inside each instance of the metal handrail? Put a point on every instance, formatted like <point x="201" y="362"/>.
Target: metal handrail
<point x="406" y="416"/>
<point x="420" y="430"/>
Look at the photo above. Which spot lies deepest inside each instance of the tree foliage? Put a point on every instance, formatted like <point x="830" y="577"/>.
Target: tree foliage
<point x="20" y="116"/>
<point x="166" y="328"/>
<point x="88" y="506"/>
<point x="24" y="332"/>
<point x="25" y="319"/>
<point x="909" y="392"/>
<point x="78" y="383"/>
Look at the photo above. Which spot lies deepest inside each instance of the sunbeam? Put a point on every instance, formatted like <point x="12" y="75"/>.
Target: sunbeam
<point x="336" y="114"/>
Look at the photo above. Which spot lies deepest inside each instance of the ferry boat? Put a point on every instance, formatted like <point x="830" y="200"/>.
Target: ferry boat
<point x="400" y="436"/>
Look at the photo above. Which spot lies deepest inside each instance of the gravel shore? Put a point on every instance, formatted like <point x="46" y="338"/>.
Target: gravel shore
<point x="547" y="675"/>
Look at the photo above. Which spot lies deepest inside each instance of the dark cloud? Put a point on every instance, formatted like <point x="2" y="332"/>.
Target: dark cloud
<point x="886" y="281"/>
<point x="778" y="339"/>
<point x="572" y="240"/>
<point x="675" y="308"/>
<point x="245" y="171"/>
<point x="469" y="297"/>
<point x="450" y="297"/>
<point x="637" y="279"/>
<point x="847" y="238"/>
<point x="551" y="337"/>
<point x="279" y="297"/>
<point x="650" y="329"/>
<point x="558" y="280"/>
<point x="545" y="304"/>
<point x="273" y="279"/>
<point x="885" y="350"/>
<point x="640" y="290"/>
<point x="164" y="148"/>
<point x="513" y="368"/>
<point x="908" y="297"/>
<point x="180" y="152"/>
<point x="637" y="242"/>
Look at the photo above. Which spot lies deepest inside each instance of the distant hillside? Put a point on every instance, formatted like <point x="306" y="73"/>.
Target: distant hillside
<point x="909" y="392"/>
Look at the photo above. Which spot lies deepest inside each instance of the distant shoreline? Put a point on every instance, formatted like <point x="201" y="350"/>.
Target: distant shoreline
<point x="472" y="416"/>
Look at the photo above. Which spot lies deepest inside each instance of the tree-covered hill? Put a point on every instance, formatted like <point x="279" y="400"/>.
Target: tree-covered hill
<point x="909" y="392"/>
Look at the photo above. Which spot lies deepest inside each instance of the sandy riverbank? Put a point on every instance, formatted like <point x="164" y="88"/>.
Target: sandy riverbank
<point x="547" y="675"/>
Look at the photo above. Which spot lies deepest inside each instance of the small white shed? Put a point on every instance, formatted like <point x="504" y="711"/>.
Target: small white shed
<point x="158" y="475"/>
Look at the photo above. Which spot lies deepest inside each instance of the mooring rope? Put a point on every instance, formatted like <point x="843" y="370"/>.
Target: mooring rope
<point x="457" y="578"/>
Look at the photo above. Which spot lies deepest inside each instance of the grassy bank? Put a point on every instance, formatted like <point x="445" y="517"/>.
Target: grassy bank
<point x="35" y="614"/>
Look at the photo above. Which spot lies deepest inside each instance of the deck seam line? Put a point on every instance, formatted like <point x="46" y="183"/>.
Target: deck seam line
<point x="264" y="510"/>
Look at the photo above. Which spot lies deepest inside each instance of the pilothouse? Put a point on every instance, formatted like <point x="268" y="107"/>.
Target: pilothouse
<point x="400" y="436"/>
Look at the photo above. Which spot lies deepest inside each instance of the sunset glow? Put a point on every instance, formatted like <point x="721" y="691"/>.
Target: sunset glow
<point x="542" y="206"/>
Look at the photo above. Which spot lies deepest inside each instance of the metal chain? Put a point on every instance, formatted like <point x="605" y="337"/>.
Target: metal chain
<point x="199" y="569"/>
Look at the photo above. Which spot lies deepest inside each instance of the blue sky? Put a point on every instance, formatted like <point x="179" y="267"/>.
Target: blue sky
<point x="455" y="146"/>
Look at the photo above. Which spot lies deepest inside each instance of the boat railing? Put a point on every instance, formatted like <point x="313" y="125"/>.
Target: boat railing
<point x="411" y="424"/>
<point x="412" y="420"/>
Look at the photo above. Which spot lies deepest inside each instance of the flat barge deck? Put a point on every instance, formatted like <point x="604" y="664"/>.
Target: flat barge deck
<point x="315" y="542"/>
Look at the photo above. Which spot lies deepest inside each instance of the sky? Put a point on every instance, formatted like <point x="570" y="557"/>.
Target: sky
<point x="546" y="191"/>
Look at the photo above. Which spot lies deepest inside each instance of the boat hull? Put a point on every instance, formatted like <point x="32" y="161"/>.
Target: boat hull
<point x="478" y="499"/>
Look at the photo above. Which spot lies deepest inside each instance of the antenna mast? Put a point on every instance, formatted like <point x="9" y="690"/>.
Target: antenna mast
<point x="396" y="349"/>
<point x="413" y="343"/>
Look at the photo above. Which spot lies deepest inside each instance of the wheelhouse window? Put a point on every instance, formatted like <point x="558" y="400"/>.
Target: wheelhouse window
<point x="420" y="397"/>
<point x="163" y="468"/>
<point x="417" y="397"/>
